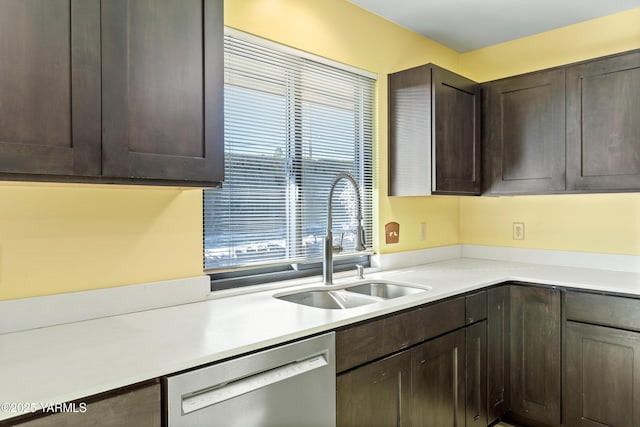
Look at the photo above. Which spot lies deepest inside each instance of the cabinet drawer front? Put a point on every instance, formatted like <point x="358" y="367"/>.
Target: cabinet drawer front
<point x="375" y="339"/>
<point x="476" y="307"/>
<point x="618" y="312"/>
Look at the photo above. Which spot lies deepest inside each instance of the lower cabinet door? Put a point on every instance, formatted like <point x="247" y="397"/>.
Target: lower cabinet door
<point x="476" y="375"/>
<point x="438" y="377"/>
<point x="535" y="358"/>
<point x="376" y="394"/>
<point x="602" y="376"/>
<point x="497" y="353"/>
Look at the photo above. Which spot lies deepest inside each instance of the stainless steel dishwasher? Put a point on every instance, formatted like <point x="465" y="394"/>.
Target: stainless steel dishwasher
<point x="290" y="385"/>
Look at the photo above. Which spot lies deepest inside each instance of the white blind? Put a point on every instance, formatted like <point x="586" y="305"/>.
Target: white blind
<point x="291" y="124"/>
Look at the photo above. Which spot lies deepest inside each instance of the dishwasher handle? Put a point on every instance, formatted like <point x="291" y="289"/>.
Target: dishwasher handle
<point x="219" y="393"/>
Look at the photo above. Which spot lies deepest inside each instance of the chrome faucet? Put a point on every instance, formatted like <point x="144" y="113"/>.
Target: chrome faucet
<point x="327" y="258"/>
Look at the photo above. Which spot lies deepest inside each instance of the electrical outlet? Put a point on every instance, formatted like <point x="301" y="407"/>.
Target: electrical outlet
<point x="518" y="231"/>
<point x="423" y="231"/>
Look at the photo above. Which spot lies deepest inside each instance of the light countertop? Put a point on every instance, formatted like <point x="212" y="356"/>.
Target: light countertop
<point x="75" y="360"/>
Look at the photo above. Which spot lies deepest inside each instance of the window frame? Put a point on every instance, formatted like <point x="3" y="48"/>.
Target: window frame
<point x="240" y="276"/>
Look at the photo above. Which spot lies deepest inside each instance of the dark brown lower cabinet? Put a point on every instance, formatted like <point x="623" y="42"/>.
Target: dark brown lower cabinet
<point x="438" y="377"/>
<point x="423" y="386"/>
<point x="497" y="353"/>
<point x="602" y="376"/>
<point x="376" y="394"/>
<point x="476" y="375"/>
<point x="134" y="406"/>
<point x="535" y="354"/>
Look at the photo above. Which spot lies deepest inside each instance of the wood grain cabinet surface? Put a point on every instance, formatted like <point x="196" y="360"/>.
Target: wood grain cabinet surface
<point x="476" y="375"/>
<point x="602" y="366"/>
<point x="498" y="343"/>
<point x="535" y="345"/>
<point x="434" y="133"/>
<point x="376" y="394"/>
<point x="602" y="376"/>
<point x="50" y="87"/>
<point x="603" y="124"/>
<point x="438" y="380"/>
<point x="421" y="367"/>
<point x="117" y="91"/>
<point x="524" y="133"/>
<point x="129" y="407"/>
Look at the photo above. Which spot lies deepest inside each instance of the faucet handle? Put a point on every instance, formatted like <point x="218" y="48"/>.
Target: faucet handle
<point x="360" y="270"/>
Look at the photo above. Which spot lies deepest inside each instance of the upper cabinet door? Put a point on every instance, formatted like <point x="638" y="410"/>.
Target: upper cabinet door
<point x="50" y="87"/>
<point x="162" y="74"/>
<point x="524" y="136"/>
<point x="434" y="133"/>
<point x="456" y="134"/>
<point x="603" y="124"/>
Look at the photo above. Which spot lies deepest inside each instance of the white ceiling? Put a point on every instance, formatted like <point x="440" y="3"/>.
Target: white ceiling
<point x="465" y="25"/>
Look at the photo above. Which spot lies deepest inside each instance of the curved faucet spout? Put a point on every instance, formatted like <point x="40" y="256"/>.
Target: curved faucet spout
<point x="327" y="259"/>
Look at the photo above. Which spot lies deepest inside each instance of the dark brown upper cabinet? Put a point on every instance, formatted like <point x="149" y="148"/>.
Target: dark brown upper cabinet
<point x="524" y="133"/>
<point x="50" y="87"/>
<point x="603" y="124"/>
<point x="434" y="133"/>
<point x="118" y="91"/>
<point x="162" y="90"/>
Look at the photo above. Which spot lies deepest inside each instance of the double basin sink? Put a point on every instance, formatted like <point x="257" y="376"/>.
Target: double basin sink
<point x="353" y="295"/>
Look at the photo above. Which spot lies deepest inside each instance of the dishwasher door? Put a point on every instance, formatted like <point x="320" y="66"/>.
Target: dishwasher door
<point x="290" y="385"/>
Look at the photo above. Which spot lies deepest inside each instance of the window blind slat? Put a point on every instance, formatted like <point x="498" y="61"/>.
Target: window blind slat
<point x="291" y="124"/>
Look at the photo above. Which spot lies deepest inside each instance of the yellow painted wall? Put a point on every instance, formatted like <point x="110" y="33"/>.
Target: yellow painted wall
<point x="590" y="39"/>
<point x="608" y="223"/>
<point x="63" y="238"/>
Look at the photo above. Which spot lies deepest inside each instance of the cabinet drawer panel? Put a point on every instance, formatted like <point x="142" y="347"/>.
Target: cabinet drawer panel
<point x="375" y="339"/>
<point x="476" y="307"/>
<point x="605" y="310"/>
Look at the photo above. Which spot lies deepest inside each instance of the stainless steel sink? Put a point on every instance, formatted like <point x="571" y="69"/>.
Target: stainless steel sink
<point x="336" y="299"/>
<point x="352" y="295"/>
<point x="385" y="290"/>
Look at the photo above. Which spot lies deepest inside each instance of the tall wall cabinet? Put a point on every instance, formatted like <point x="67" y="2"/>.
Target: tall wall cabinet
<point x="117" y="91"/>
